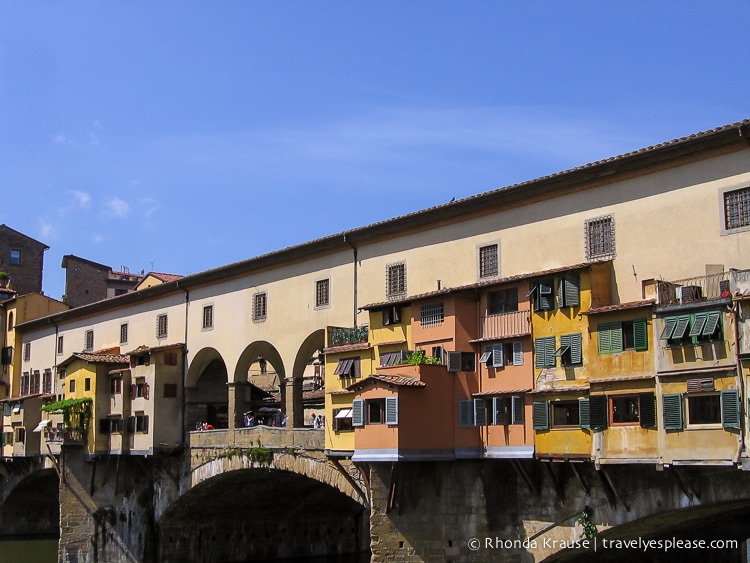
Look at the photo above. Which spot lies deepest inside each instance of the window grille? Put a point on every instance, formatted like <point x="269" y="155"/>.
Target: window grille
<point x="488" y="261"/>
<point x="737" y="208"/>
<point x="431" y="315"/>
<point x="322" y="294"/>
<point x="600" y="238"/>
<point x="395" y="280"/>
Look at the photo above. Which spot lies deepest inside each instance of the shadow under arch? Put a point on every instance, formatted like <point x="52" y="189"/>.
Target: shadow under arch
<point x="261" y="513"/>
<point x="32" y="507"/>
<point x="308" y="350"/>
<point x="206" y="397"/>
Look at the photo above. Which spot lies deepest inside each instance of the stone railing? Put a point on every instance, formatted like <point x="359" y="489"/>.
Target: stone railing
<point x="504" y="325"/>
<point x="306" y="438"/>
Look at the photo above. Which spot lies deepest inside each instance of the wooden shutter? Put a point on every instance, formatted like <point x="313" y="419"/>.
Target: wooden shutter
<point x="454" y="361"/>
<point x="669" y="326"/>
<point x="517" y="407"/>
<point x="730" y="409"/>
<point x="681" y="327"/>
<point x="539" y="354"/>
<point x="544" y="296"/>
<point x="700" y="384"/>
<point x="497" y="356"/>
<point x="647" y="410"/>
<point x="131" y="424"/>
<point x="466" y="414"/>
<point x="640" y="335"/>
<point x="480" y="412"/>
<point x="132" y="391"/>
<point x="145" y="424"/>
<point x="576" y="350"/>
<point x="604" y="332"/>
<point x="145" y="390"/>
<point x="391" y="410"/>
<point x="518" y="353"/>
<point x="584" y="413"/>
<point x="672" y="411"/>
<point x="358" y="412"/>
<point x="540" y="414"/>
<point x="598" y="411"/>
<point x="567" y="292"/>
<point x="698" y="324"/>
<point x="711" y="324"/>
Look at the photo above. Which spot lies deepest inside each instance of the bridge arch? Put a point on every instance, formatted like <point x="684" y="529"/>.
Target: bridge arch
<point x="238" y="509"/>
<point x="206" y="397"/>
<point x="310" y="351"/>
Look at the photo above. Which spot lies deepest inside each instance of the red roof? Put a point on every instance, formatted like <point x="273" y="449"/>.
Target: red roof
<point x="398" y="380"/>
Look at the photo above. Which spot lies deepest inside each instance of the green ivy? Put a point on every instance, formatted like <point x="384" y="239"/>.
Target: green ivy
<point x="589" y="528"/>
<point x="419" y="358"/>
<point x="76" y="412"/>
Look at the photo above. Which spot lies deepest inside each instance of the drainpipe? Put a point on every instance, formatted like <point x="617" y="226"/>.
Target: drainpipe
<point x="354" y="250"/>
<point x="185" y="431"/>
<point x="740" y="377"/>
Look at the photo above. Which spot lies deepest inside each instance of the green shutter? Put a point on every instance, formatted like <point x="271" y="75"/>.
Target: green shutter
<point x="598" y="411"/>
<point x="679" y="330"/>
<point x="466" y="414"/>
<point x="604" y="335"/>
<point x="544" y="348"/>
<point x="640" y="334"/>
<point x="518" y="353"/>
<point x="391" y="410"/>
<point x="672" y="411"/>
<point x="517" y="410"/>
<point x="499" y="414"/>
<point x="584" y="413"/>
<point x="698" y="324"/>
<point x="669" y="325"/>
<point x="711" y="324"/>
<point x="544" y="298"/>
<point x="730" y="409"/>
<point x="358" y="412"/>
<point x="576" y="351"/>
<point x="540" y="412"/>
<point x="480" y="412"/>
<point x="568" y="292"/>
<point x="647" y="409"/>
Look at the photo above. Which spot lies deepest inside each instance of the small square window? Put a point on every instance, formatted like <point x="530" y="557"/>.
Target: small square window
<point x="322" y="293"/>
<point x="565" y="413"/>
<point x="395" y="280"/>
<point x="431" y="315"/>
<point x="600" y="238"/>
<point x="488" y="261"/>
<point x="737" y="209"/>
<point x="208" y="317"/>
<point x="260" y="306"/>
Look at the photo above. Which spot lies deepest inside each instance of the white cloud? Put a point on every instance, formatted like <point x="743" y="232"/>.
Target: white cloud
<point x="117" y="207"/>
<point x="47" y="230"/>
<point x="97" y="238"/>
<point x="81" y="199"/>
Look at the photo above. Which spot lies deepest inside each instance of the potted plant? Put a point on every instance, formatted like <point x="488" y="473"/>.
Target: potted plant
<point x="4" y="279"/>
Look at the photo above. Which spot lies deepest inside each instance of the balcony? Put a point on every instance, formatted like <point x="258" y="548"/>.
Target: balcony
<point x="693" y="290"/>
<point x="65" y="437"/>
<point x="338" y="336"/>
<point x="505" y="325"/>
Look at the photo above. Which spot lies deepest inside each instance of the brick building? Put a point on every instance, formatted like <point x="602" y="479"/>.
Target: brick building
<point x="87" y="281"/>
<point x="22" y="258"/>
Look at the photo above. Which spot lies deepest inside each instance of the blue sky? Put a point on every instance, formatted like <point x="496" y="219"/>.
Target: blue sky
<point x="181" y="136"/>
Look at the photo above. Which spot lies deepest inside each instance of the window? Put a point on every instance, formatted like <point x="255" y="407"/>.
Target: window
<point x="395" y="280"/>
<point x="260" y="306"/>
<point x="704" y="409"/>
<point x="139" y="389"/>
<point x="88" y="341"/>
<point x="322" y="293"/>
<point x="61" y="373"/>
<point x="375" y="410"/>
<point x="461" y="361"/>
<point x="20" y="435"/>
<point x="600" y="238"/>
<point x="704" y="327"/>
<point x="35" y="383"/>
<point x="15" y="257"/>
<point x="162" y="327"/>
<point x="26" y="351"/>
<point x="47" y="382"/>
<point x="503" y="354"/>
<point x="565" y="413"/>
<point x="391" y="316"/>
<point x="60" y="345"/>
<point x="72" y="386"/>
<point x="115" y="386"/>
<point x="568" y="292"/>
<point x="347" y="367"/>
<point x="87" y="384"/>
<point x="737" y="208"/>
<point x="208" y="317"/>
<point x="543" y="298"/>
<point x="138" y="423"/>
<point x="488" y="261"/>
<point x="124" y="333"/>
<point x="438" y="352"/>
<point x="618" y="337"/>
<point x="472" y="413"/>
<point x="570" y="351"/>
<point x="505" y="301"/>
<point x="388" y="359"/>
<point x="544" y="352"/>
<point x="624" y="409"/>
<point x="431" y="315"/>
<point x="110" y="425"/>
<point x="507" y="410"/>
<point x="342" y="420"/>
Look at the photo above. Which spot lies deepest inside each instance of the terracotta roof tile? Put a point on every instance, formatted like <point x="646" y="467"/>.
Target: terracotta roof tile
<point x="398" y="380"/>
<point x="619" y="307"/>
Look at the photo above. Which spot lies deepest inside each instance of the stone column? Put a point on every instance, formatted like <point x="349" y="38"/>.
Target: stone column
<point x="77" y="526"/>
<point x="236" y="406"/>
<point x="294" y="408"/>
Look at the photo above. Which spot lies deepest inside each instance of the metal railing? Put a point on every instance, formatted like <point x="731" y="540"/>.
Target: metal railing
<point x="64" y="436"/>
<point x="692" y="290"/>
<point x="503" y="325"/>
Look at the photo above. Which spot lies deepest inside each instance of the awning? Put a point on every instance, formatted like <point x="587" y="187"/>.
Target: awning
<point x="16" y="408"/>
<point x="42" y="425"/>
<point x="344" y="413"/>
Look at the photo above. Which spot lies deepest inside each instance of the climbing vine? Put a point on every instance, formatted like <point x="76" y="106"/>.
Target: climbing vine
<point x="589" y="528"/>
<point x="76" y="412"/>
<point x="419" y="357"/>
